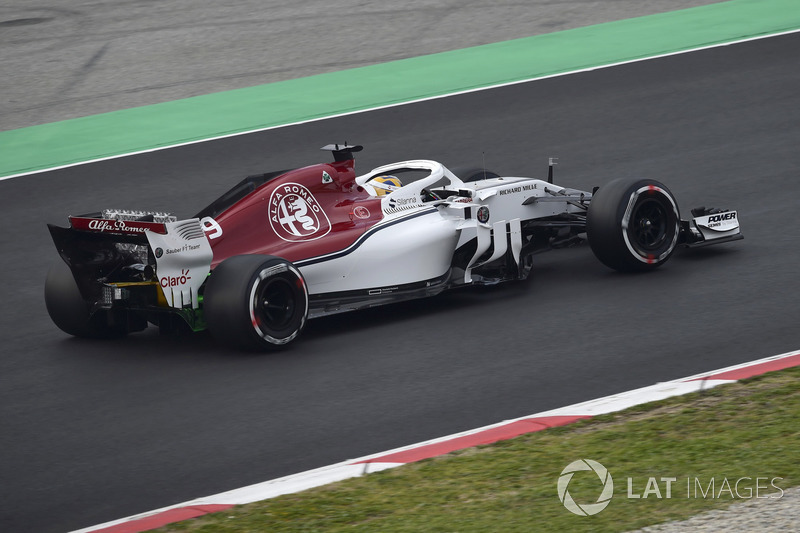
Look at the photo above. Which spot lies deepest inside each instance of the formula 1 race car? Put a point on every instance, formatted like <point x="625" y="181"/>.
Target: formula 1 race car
<point x="282" y="247"/>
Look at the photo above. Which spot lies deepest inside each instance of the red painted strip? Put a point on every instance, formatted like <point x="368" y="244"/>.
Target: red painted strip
<point x="162" y="519"/>
<point x="507" y="431"/>
<point x="102" y="225"/>
<point x="755" y="370"/>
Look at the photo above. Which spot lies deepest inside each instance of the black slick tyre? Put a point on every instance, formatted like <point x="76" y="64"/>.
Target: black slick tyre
<point x="633" y="224"/>
<point x="469" y="174"/>
<point x="255" y="302"/>
<point x="69" y="311"/>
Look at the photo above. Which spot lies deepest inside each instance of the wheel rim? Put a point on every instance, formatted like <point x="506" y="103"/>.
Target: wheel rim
<point x="649" y="225"/>
<point x="274" y="304"/>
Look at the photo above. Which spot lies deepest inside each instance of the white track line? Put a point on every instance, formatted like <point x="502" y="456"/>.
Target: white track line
<point x="466" y="91"/>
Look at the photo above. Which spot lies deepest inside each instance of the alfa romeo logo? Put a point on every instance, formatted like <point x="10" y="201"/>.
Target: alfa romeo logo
<point x="586" y="509"/>
<point x="295" y="215"/>
<point x="361" y="212"/>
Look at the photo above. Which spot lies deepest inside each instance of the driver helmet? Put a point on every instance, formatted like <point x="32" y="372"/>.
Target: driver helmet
<point x="383" y="185"/>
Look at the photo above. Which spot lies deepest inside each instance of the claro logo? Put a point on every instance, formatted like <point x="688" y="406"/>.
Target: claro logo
<point x="176" y="281"/>
<point x="295" y="215"/>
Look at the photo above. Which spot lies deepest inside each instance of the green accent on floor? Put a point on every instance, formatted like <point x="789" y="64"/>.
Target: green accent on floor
<point x="131" y="130"/>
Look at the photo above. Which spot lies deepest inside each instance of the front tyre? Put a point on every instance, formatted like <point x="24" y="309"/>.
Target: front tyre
<point x="255" y="302"/>
<point x="633" y="224"/>
<point x="470" y="174"/>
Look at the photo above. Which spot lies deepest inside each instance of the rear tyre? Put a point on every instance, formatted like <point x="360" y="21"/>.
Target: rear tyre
<point x="468" y="174"/>
<point x="255" y="302"/>
<point x="70" y="312"/>
<point x="633" y="224"/>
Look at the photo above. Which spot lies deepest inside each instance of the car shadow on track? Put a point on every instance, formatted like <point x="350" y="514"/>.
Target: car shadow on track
<point x="148" y="345"/>
<point x="551" y="272"/>
<point x="707" y="253"/>
<point x="427" y="309"/>
<point x="322" y="336"/>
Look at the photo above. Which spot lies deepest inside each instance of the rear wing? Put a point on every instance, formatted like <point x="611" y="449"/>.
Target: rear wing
<point x="115" y="249"/>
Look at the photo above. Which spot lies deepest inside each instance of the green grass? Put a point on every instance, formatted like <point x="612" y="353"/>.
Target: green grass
<point x="748" y="429"/>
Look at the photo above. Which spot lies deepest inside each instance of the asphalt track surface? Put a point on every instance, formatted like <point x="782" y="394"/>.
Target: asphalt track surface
<point x="93" y="431"/>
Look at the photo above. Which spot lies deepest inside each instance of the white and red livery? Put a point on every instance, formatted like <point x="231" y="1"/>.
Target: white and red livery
<point x="282" y="247"/>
